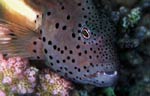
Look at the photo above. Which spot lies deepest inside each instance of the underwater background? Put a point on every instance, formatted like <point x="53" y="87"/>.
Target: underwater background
<point x="21" y="77"/>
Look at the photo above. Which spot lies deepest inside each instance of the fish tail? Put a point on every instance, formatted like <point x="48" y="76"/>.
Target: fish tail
<point x="16" y="40"/>
<point x="18" y="15"/>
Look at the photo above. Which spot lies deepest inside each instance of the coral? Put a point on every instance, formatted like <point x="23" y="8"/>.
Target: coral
<point x="140" y="89"/>
<point x="146" y="21"/>
<point x="83" y="93"/>
<point x="145" y="48"/>
<point x="18" y="77"/>
<point x="133" y="39"/>
<point x="2" y="93"/>
<point x="53" y="84"/>
<point x="142" y="86"/>
<point x="28" y="83"/>
<point x="132" y="18"/>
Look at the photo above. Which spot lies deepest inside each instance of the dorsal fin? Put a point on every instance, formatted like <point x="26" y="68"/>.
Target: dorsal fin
<point x="38" y="5"/>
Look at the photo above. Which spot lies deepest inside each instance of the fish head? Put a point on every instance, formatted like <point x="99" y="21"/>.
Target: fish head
<point x="96" y="57"/>
<point x="79" y="43"/>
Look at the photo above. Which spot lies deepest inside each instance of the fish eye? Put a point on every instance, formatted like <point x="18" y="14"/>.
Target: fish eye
<point x="85" y="33"/>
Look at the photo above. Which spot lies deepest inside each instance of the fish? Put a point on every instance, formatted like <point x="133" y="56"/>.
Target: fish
<point x="74" y="38"/>
<point x="8" y="13"/>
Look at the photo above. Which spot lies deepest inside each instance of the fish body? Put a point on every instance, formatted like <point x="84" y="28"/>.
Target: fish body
<point x="75" y="38"/>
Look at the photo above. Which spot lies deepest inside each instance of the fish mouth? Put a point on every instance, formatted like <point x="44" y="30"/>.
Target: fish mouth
<point x="102" y="78"/>
<point x="108" y="73"/>
<point x="103" y="73"/>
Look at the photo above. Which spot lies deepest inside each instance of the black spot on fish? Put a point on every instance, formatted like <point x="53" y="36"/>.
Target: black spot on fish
<point x="61" y="51"/>
<point x="77" y="77"/>
<point x="51" y="64"/>
<point x="58" y="71"/>
<point x="64" y="27"/>
<point x="88" y="71"/>
<point x="80" y="78"/>
<point x="90" y="57"/>
<point x="44" y="39"/>
<point x="84" y="67"/>
<point x="79" y="53"/>
<point x="61" y="68"/>
<point x="34" y="43"/>
<point x="57" y="25"/>
<point x="64" y="61"/>
<point x="79" y="38"/>
<point x="79" y="69"/>
<point x="57" y="61"/>
<point x="97" y="56"/>
<point x="68" y="17"/>
<point x="78" y="46"/>
<point x="62" y="7"/>
<point x="50" y="57"/>
<point x="65" y="48"/>
<point x="45" y="50"/>
<point x="85" y="16"/>
<point x="71" y="52"/>
<point x="73" y="60"/>
<point x="75" y="67"/>
<point x="34" y="50"/>
<point x="79" y="4"/>
<point x="49" y="42"/>
<point x="92" y="64"/>
<point x="37" y="16"/>
<point x="40" y="31"/>
<point x="48" y="13"/>
<point x="68" y="57"/>
<point x="79" y="31"/>
<point x="85" y="51"/>
<point x="38" y="57"/>
<point x="54" y="47"/>
<point x="73" y="35"/>
<point x="79" y="25"/>
<point x="83" y="9"/>
<point x="66" y="68"/>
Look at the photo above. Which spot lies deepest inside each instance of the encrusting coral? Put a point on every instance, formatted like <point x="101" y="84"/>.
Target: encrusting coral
<point x="53" y="84"/>
<point x="18" y="77"/>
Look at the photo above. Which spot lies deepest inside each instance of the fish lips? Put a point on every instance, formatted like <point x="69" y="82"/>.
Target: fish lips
<point x="102" y="78"/>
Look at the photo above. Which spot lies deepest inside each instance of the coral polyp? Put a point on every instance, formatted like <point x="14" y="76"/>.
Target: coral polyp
<point x="18" y="77"/>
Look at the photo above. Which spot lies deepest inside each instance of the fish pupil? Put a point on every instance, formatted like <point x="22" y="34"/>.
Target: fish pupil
<point x="85" y="33"/>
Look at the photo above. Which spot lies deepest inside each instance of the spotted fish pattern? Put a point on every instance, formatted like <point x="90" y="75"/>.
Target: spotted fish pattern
<point x="75" y="39"/>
